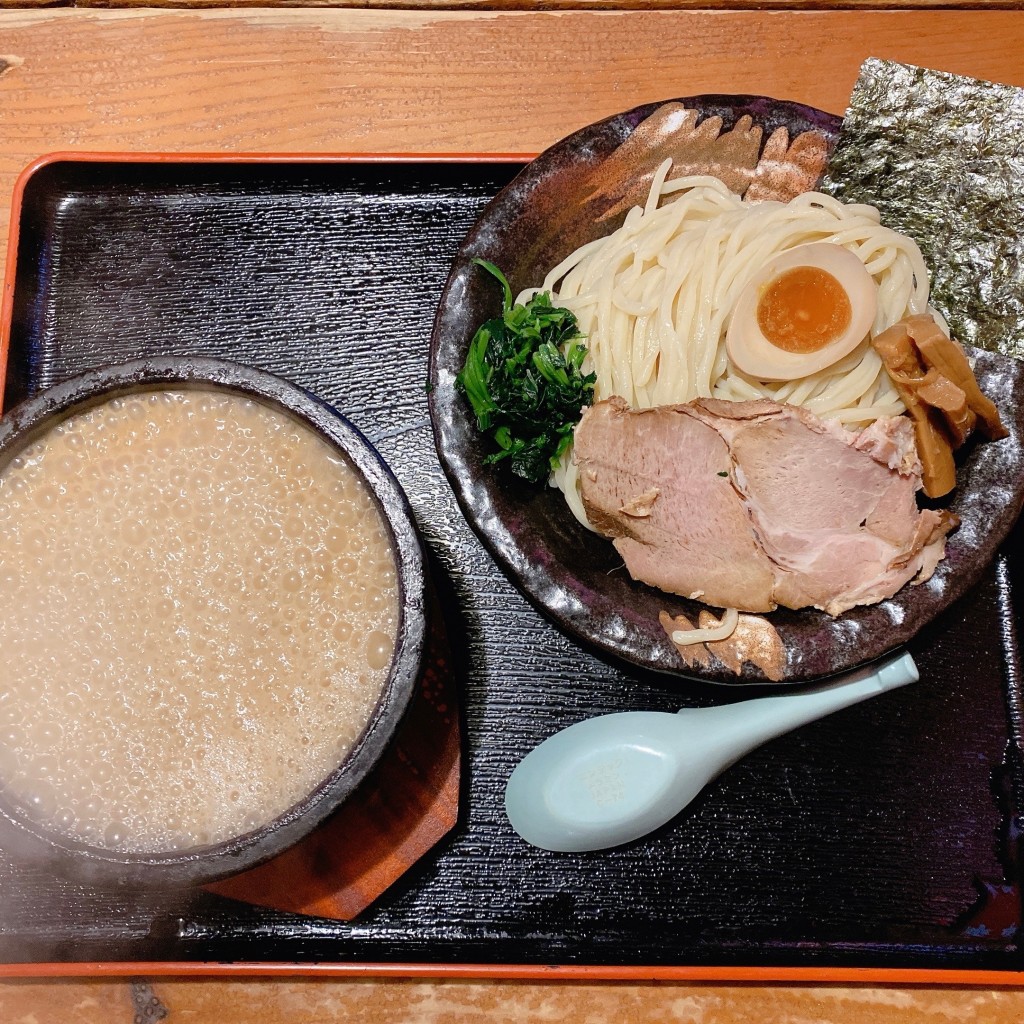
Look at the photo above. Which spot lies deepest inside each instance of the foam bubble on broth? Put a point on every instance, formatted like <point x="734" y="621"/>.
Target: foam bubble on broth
<point x="201" y="606"/>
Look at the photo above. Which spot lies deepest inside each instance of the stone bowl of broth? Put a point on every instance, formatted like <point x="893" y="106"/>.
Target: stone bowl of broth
<point x="214" y="619"/>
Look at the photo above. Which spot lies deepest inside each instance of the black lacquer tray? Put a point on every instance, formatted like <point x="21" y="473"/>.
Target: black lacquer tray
<point x="883" y="837"/>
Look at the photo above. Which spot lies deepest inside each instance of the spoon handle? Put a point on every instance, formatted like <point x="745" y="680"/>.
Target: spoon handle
<point x="750" y="723"/>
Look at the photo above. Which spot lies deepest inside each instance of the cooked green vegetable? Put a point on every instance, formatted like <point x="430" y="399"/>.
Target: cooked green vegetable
<point x="522" y="377"/>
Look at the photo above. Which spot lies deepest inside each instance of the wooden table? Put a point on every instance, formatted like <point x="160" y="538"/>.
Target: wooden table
<point x="459" y="77"/>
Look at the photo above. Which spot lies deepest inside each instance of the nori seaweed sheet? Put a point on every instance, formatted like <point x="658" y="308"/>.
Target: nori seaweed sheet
<point x="942" y="158"/>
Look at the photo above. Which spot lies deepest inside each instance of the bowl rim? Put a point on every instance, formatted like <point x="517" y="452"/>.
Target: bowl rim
<point x="33" y="418"/>
<point x="628" y="632"/>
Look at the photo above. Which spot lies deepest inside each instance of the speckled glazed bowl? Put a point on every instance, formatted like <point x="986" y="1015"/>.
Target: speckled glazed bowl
<point x="578" y="190"/>
<point x="22" y="835"/>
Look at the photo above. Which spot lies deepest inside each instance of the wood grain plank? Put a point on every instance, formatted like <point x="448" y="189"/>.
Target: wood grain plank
<point x="558" y="5"/>
<point x="336" y="80"/>
<point x="475" y="1002"/>
<point x="540" y="5"/>
<point x="546" y="5"/>
<point x="391" y="81"/>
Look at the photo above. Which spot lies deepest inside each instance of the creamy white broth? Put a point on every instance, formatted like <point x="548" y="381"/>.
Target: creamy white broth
<point x="200" y="610"/>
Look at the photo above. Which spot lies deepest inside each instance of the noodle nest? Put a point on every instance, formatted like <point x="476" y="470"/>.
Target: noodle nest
<point x="654" y="299"/>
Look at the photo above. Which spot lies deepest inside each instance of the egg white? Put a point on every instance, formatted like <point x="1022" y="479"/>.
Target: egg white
<point x="754" y="355"/>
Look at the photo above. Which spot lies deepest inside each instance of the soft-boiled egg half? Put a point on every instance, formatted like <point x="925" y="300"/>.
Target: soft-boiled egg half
<point x="804" y="310"/>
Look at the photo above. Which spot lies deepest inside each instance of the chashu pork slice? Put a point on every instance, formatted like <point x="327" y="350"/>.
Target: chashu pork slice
<point x="835" y="512"/>
<point x="833" y="515"/>
<point x="657" y="481"/>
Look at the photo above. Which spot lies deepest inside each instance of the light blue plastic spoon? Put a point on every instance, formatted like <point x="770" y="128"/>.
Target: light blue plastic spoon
<point x="612" y="779"/>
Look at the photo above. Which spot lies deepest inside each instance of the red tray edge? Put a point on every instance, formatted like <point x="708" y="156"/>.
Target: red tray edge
<point x="889" y="976"/>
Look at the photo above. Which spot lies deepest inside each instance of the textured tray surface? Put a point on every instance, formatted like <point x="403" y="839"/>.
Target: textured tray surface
<point x="860" y="840"/>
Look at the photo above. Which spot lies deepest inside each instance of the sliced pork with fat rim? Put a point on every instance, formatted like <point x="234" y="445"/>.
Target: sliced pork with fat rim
<point x="658" y="482"/>
<point x="758" y="504"/>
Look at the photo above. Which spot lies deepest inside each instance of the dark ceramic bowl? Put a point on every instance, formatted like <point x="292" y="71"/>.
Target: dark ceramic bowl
<point x="578" y="190"/>
<point x="33" y="418"/>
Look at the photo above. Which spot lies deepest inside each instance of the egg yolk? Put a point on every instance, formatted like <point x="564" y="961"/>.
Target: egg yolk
<point x="803" y="310"/>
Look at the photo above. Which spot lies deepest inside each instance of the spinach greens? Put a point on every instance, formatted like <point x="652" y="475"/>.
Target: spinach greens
<point x="523" y="378"/>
